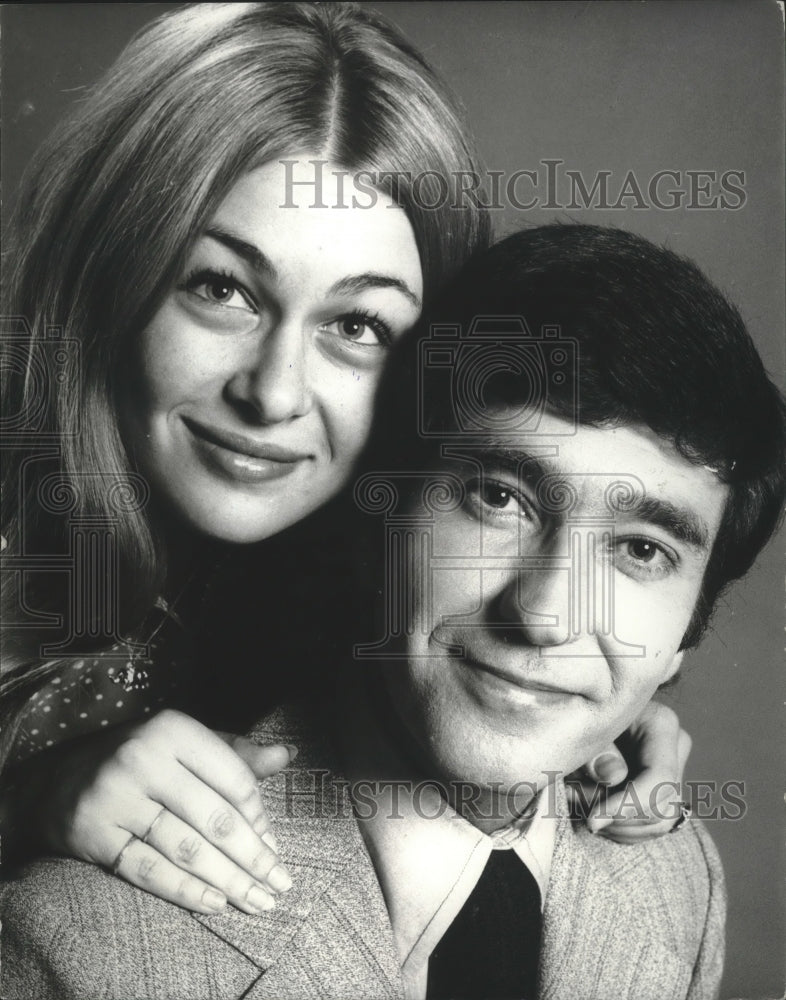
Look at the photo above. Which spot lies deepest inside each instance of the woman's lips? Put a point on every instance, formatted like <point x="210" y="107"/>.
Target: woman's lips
<point x="241" y="458"/>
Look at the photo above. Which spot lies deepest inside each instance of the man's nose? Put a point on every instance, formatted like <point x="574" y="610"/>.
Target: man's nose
<point x="564" y="591"/>
<point x="536" y="601"/>
<point x="271" y="384"/>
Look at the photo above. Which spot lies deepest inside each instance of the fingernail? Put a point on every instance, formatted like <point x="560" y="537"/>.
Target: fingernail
<point x="270" y="840"/>
<point x="214" y="899"/>
<point x="278" y="878"/>
<point x="597" y="823"/>
<point x="259" y="826"/>
<point x="291" y="750"/>
<point x="259" y="899"/>
<point x="609" y="768"/>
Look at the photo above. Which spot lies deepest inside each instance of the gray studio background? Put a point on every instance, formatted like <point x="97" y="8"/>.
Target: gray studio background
<point x="602" y="86"/>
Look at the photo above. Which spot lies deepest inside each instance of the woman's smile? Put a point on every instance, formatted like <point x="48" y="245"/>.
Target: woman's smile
<point x="243" y="459"/>
<point x="260" y="368"/>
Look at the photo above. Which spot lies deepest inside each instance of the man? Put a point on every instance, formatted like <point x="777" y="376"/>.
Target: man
<point x="578" y="491"/>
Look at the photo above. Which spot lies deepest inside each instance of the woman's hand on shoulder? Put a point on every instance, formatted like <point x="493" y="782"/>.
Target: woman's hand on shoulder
<point x="173" y="808"/>
<point x="632" y="792"/>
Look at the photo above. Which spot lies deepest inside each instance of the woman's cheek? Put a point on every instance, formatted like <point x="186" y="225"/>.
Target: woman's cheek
<point x="347" y="403"/>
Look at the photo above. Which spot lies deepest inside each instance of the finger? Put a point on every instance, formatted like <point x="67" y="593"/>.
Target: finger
<point x="654" y="742"/>
<point x="684" y="747"/>
<point x="608" y="767"/>
<point x="585" y="798"/>
<point x="189" y="851"/>
<point x="264" y="761"/>
<point x="178" y="737"/>
<point x="175" y="744"/>
<point x="92" y="833"/>
<point x="620" y="811"/>
<point x="143" y="866"/>
<point x="638" y="805"/>
<point x="216" y="764"/>
<point x="656" y="738"/>
<point x="635" y="833"/>
<point x="223" y="826"/>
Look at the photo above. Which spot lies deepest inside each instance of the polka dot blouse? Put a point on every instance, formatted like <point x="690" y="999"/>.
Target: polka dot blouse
<point x="120" y="684"/>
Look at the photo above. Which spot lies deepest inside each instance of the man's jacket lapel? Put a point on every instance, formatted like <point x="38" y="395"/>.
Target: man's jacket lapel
<point x="344" y="948"/>
<point x="599" y="940"/>
<point x="330" y="935"/>
<point x="617" y="921"/>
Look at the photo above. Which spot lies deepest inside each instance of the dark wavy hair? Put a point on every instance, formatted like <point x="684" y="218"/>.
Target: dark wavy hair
<point x="658" y="345"/>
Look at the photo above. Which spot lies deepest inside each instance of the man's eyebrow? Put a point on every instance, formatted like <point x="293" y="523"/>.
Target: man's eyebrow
<point x="514" y="460"/>
<point x="529" y="468"/>
<point x="683" y="524"/>
<point x="248" y="251"/>
<point x="371" y="279"/>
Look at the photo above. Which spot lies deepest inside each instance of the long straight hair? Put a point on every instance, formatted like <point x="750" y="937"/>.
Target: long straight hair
<point x="117" y="195"/>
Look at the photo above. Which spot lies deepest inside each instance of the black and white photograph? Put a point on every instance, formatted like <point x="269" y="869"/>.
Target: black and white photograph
<point x="394" y="471"/>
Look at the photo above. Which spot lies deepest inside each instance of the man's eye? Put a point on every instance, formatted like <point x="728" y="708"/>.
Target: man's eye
<point x="495" y="499"/>
<point x="497" y="496"/>
<point x="643" y="549"/>
<point x="360" y="328"/>
<point x="219" y="290"/>
<point x="643" y="558"/>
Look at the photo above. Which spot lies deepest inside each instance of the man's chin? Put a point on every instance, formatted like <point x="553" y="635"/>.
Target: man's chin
<point x="515" y="775"/>
<point x="491" y="801"/>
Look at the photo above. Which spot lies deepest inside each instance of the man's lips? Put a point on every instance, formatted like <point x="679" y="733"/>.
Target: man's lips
<point x="244" y="445"/>
<point x="520" y="678"/>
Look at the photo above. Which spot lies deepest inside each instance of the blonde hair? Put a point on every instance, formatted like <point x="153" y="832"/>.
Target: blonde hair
<point x="114" y="199"/>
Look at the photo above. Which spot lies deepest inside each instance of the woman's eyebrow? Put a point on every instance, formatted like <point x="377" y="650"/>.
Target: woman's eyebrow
<point x="248" y="251"/>
<point x="372" y="279"/>
<point x="352" y="283"/>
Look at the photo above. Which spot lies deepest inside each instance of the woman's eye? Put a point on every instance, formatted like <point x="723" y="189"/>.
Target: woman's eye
<point x="359" y="328"/>
<point x="220" y="290"/>
<point x="643" y="558"/>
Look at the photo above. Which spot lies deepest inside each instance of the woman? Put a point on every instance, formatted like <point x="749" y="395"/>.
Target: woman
<point x="195" y="232"/>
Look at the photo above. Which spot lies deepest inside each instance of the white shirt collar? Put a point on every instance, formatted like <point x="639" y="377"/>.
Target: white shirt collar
<point x="428" y="858"/>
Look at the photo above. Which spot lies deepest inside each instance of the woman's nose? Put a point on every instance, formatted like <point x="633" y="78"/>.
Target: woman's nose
<point x="271" y="384"/>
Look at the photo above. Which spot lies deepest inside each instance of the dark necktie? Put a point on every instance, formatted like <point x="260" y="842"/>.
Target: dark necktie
<point x="490" y="951"/>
